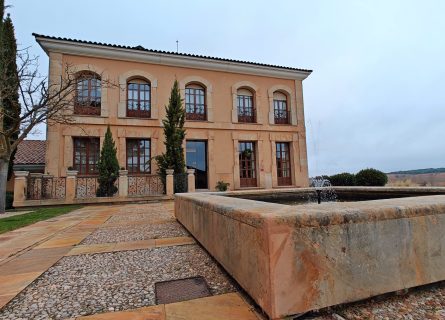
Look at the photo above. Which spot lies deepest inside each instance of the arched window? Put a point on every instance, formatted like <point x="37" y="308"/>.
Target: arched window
<point x="246" y="107"/>
<point x="280" y="108"/>
<point x="195" y="104"/>
<point x="138" y="98"/>
<point x="88" y="94"/>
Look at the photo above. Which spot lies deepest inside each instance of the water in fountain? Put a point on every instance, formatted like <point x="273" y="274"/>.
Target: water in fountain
<point x="324" y="192"/>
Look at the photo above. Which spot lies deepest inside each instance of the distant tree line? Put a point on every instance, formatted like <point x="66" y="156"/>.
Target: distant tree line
<point x="420" y="171"/>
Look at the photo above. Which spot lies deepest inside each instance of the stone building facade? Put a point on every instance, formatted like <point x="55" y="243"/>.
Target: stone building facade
<point x="244" y="121"/>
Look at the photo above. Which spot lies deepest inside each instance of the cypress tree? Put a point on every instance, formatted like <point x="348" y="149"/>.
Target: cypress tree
<point x="10" y="83"/>
<point x="108" y="167"/>
<point x="174" y="134"/>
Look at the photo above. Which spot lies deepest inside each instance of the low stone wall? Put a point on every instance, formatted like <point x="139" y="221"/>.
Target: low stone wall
<point x="292" y="259"/>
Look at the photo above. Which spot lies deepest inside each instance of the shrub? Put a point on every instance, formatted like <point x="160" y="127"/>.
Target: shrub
<point x="108" y="167"/>
<point x="222" y="186"/>
<point x="343" y="179"/>
<point x="371" y="177"/>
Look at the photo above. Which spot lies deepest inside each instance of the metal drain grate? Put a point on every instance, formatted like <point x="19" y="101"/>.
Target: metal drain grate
<point x="181" y="290"/>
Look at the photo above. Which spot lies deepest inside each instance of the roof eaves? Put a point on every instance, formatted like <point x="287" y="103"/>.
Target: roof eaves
<point x="140" y="48"/>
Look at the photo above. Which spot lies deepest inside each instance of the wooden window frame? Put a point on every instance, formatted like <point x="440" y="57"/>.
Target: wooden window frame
<point x="194" y="105"/>
<point x="246" y="113"/>
<point x="89" y="151"/>
<point x="139" y="113"/>
<point x="284" y="164"/>
<point x="247" y="165"/>
<point x="90" y="105"/>
<point x="136" y="141"/>
<point x="281" y="115"/>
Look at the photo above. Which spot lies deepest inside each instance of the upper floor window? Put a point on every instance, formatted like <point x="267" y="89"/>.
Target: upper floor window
<point x="138" y="155"/>
<point x="86" y="155"/>
<point x="195" y="106"/>
<point x="138" y="99"/>
<point x="246" y="108"/>
<point x="88" y="94"/>
<point x="280" y="108"/>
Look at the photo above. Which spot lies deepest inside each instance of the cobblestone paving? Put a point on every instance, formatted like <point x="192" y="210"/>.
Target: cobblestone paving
<point x="87" y="284"/>
<point x="127" y="233"/>
<point x="427" y="302"/>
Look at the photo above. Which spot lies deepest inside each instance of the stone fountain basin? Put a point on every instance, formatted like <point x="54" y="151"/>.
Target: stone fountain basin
<point x="293" y="259"/>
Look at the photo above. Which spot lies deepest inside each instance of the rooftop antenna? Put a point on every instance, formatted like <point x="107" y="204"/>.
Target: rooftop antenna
<point x="177" y="46"/>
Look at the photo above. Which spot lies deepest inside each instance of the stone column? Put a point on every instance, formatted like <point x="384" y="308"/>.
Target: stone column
<point x="123" y="183"/>
<point x="190" y="180"/>
<point x="169" y="182"/>
<point x="20" y="187"/>
<point x="70" y="192"/>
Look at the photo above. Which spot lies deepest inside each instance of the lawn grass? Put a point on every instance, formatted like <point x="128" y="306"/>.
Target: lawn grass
<point x="38" y="214"/>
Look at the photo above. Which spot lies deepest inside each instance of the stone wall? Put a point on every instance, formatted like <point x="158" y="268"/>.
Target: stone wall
<point x="292" y="259"/>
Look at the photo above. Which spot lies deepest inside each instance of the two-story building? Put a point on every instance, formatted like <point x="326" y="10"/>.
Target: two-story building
<point x="244" y="120"/>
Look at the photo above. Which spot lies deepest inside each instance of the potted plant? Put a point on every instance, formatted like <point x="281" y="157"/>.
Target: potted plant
<point x="222" y="186"/>
<point x="247" y="153"/>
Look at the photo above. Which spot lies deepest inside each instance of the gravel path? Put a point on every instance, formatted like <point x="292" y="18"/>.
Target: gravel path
<point x="140" y="218"/>
<point x="88" y="284"/>
<point x="126" y="233"/>
<point x="427" y="302"/>
<point x="148" y="212"/>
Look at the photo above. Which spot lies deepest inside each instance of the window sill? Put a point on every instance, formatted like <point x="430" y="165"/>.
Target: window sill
<point x="283" y="124"/>
<point x="249" y="188"/>
<point x="137" y="118"/>
<point x="249" y="123"/>
<point x="89" y="115"/>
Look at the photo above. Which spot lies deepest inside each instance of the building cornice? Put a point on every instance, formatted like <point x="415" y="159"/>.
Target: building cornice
<point x="80" y="48"/>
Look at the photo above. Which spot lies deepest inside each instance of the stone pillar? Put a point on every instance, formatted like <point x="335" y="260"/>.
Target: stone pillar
<point x="20" y="187"/>
<point x="169" y="188"/>
<point x="123" y="183"/>
<point x="70" y="192"/>
<point x="190" y="180"/>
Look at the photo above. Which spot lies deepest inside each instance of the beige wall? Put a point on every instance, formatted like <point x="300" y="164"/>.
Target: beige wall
<point x="221" y="130"/>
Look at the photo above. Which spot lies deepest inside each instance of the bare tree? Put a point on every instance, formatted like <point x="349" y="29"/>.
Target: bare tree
<point x="41" y="102"/>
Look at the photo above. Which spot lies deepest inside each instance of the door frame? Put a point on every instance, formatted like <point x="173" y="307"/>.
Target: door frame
<point x="206" y="144"/>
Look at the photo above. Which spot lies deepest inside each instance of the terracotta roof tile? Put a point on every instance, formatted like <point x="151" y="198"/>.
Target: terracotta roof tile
<point x="140" y="48"/>
<point x="31" y="152"/>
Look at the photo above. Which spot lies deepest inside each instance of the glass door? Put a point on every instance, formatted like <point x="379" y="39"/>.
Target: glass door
<point x="247" y="164"/>
<point x="196" y="158"/>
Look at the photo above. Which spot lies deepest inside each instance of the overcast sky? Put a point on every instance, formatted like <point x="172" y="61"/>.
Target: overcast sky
<point x="376" y="97"/>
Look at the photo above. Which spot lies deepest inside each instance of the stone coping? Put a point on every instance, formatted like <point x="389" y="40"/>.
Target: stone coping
<point x="96" y="200"/>
<point x="256" y="213"/>
<point x="414" y="190"/>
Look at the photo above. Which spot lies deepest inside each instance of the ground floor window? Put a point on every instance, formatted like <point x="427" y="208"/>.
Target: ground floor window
<point x="138" y="156"/>
<point x="283" y="164"/>
<point x="86" y="155"/>
<point x="247" y="164"/>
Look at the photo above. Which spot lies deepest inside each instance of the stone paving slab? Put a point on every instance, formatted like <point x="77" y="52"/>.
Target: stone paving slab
<point x="28" y="252"/>
<point x="91" y="249"/>
<point x="222" y="307"/>
<point x="12" y="284"/>
<point x="227" y="306"/>
<point x="128" y="246"/>
<point x="146" y="313"/>
<point x="176" y="241"/>
<point x="35" y="263"/>
<point x="63" y="240"/>
<point x="135" y="245"/>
